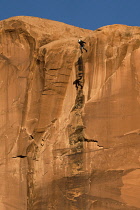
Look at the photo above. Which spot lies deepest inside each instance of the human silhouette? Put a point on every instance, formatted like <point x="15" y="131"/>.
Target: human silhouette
<point x="82" y="44"/>
<point x="77" y="83"/>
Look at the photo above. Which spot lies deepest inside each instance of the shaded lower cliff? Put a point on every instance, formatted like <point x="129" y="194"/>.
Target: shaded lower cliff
<point x="62" y="147"/>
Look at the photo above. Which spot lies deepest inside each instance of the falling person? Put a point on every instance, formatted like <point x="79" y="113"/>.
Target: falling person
<point x="77" y="83"/>
<point x="82" y="44"/>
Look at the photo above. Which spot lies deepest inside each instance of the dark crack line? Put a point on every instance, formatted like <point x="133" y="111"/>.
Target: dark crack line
<point x="90" y="140"/>
<point x="55" y="69"/>
<point x="20" y="156"/>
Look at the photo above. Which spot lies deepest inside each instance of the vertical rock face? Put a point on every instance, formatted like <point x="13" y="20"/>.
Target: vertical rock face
<point x="63" y="148"/>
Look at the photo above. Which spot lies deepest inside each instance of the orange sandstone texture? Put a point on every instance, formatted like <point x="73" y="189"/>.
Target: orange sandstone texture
<point x="61" y="148"/>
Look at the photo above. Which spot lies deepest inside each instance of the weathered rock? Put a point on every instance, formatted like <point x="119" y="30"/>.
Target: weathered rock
<point x="62" y="148"/>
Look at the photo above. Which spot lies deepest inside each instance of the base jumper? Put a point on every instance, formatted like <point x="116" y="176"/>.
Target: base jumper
<point x="77" y="83"/>
<point x="82" y="44"/>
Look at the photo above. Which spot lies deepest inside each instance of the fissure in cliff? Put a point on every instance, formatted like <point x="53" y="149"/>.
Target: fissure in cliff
<point x="75" y="129"/>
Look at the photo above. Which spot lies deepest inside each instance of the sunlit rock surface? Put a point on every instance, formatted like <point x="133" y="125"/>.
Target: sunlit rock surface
<point x="63" y="148"/>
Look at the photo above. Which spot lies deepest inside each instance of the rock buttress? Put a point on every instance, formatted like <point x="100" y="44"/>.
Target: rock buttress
<point x="63" y="148"/>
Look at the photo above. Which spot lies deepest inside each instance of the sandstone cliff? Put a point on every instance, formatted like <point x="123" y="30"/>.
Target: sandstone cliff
<point x="63" y="148"/>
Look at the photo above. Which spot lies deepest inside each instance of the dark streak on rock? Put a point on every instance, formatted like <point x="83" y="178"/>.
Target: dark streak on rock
<point x="20" y="156"/>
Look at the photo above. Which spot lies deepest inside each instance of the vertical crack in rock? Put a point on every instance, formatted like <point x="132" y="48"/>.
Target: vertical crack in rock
<point x="79" y="101"/>
<point x="76" y="130"/>
<point x="32" y="155"/>
<point x="76" y="137"/>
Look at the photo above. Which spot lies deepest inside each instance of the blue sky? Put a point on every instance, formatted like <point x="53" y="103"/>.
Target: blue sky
<point x="90" y="14"/>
